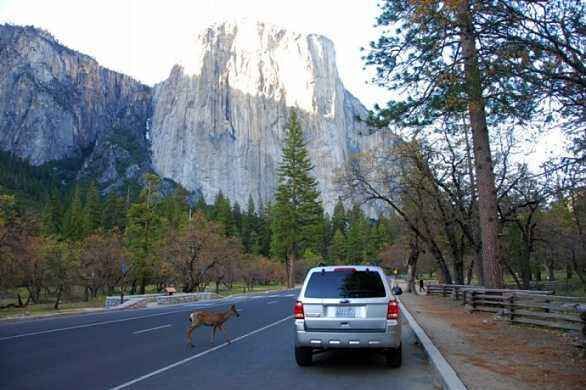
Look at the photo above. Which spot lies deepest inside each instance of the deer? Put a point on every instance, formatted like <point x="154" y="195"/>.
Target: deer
<point x="215" y="320"/>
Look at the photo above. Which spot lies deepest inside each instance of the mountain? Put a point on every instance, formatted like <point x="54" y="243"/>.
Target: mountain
<point x="218" y="120"/>
<point x="215" y="124"/>
<point x="56" y="104"/>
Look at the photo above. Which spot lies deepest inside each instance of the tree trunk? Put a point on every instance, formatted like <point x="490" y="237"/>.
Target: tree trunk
<point x="291" y="272"/>
<point x="569" y="273"/>
<point x="58" y="300"/>
<point x="143" y="285"/>
<point x="412" y="266"/>
<point x="525" y="270"/>
<point x="477" y="261"/>
<point x="487" y="197"/>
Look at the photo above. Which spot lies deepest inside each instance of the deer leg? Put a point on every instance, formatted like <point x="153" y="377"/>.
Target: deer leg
<point x="226" y="338"/>
<point x="190" y="331"/>
<point x="213" y="335"/>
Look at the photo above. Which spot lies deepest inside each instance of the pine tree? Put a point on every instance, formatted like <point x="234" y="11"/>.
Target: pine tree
<point x="92" y="209"/>
<point x="249" y="223"/>
<point x="356" y="236"/>
<point x="339" y="247"/>
<point x="222" y="212"/>
<point x="74" y="221"/>
<point x="297" y="214"/>
<point x="53" y="215"/>
<point x="339" y="219"/>
<point x="262" y="236"/>
<point x="237" y="218"/>
<point x="174" y="208"/>
<point x="114" y="213"/>
<point x="144" y="231"/>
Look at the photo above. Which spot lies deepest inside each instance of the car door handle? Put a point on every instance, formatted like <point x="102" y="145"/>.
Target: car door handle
<point x="345" y="301"/>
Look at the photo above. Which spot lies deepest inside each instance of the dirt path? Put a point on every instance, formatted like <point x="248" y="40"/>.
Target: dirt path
<point x="491" y="354"/>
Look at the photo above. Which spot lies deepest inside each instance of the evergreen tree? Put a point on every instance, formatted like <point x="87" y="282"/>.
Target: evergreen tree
<point x="297" y="214"/>
<point x="174" y="208"/>
<point x="144" y="231"/>
<point x="262" y="236"/>
<point x="249" y="223"/>
<point x="222" y="213"/>
<point x="53" y="215"/>
<point x="338" y="249"/>
<point x="74" y="221"/>
<point x="93" y="209"/>
<point x="339" y="219"/>
<point x="114" y="213"/>
<point x="237" y="218"/>
<point x="357" y="236"/>
<point x="203" y="207"/>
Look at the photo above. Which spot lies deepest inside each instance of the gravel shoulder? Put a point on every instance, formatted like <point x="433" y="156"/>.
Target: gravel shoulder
<point x="488" y="353"/>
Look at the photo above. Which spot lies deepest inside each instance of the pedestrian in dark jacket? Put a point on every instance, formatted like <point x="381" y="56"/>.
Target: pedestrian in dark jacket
<point x="421" y="289"/>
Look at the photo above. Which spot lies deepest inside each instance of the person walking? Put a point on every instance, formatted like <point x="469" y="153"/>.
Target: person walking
<point x="421" y="288"/>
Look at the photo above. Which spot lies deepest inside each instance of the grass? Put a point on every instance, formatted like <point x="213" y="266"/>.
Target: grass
<point x="98" y="302"/>
<point x="238" y="288"/>
<point x="47" y="308"/>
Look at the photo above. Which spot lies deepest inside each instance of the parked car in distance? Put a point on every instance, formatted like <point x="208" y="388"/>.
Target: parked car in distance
<point x="347" y="307"/>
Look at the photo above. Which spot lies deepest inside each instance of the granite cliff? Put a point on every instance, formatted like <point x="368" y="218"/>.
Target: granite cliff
<point x="215" y="124"/>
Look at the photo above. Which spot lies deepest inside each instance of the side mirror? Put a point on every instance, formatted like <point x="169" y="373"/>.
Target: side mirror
<point x="397" y="290"/>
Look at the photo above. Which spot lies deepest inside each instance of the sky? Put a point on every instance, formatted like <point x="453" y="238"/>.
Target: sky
<point x="145" y="38"/>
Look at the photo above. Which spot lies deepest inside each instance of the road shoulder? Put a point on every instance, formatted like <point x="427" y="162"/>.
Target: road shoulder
<point x="489" y="353"/>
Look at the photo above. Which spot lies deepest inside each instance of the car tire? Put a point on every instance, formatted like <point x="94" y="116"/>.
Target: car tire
<point x="303" y="356"/>
<point x="393" y="357"/>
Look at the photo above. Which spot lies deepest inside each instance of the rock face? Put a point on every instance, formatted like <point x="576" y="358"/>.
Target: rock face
<point x="56" y="103"/>
<point x="215" y="124"/>
<point x="218" y="120"/>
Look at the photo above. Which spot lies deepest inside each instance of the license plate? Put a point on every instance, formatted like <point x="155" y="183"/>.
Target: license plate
<point x="345" y="312"/>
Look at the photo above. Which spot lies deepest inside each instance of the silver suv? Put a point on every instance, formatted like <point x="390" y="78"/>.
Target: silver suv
<point x="347" y="307"/>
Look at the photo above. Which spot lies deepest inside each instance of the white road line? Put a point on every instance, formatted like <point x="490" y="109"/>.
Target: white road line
<point x="148" y="330"/>
<point x="89" y="325"/>
<point x="271" y="302"/>
<point x="180" y="362"/>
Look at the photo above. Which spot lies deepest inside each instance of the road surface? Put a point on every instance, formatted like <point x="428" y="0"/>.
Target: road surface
<point x="146" y="349"/>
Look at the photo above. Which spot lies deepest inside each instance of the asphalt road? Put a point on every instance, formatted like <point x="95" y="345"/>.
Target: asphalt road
<point x="146" y="349"/>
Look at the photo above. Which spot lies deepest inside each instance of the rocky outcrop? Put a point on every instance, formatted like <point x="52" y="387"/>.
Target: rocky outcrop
<point x="56" y="103"/>
<point x="219" y="119"/>
<point x="215" y="124"/>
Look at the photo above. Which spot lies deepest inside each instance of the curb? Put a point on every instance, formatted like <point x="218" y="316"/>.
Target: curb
<point x="449" y="377"/>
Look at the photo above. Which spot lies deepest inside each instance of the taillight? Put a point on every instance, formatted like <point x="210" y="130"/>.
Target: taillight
<point x="298" y="311"/>
<point x="393" y="310"/>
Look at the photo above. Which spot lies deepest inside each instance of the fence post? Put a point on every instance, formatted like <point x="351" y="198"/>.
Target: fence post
<point x="511" y="301"/>
<point x="444" y="290"/>
<point x="582" y="310"/>
<point x="470" y="300"/>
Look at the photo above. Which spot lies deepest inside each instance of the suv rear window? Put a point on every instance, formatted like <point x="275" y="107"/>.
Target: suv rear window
<point x="345" y="284"/>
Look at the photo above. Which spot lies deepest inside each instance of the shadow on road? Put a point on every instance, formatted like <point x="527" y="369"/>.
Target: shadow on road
<point x="350" y="359"/>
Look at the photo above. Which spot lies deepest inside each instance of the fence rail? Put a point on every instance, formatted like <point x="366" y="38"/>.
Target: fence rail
<point x="533" y="307"/>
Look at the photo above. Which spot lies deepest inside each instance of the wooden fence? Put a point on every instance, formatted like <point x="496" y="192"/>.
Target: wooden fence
<point x="532" y="307"/>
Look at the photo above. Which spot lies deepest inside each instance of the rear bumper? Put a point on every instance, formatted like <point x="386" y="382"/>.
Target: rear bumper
<point x="390" y="338"/>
